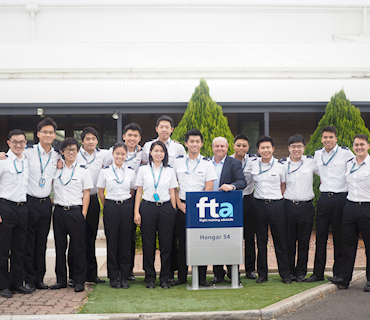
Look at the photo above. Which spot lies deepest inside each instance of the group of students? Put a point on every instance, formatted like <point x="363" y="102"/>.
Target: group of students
<point x="147" y="187"/>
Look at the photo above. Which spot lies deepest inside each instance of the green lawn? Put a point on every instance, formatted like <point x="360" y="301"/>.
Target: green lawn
<point x="138" y="299"/>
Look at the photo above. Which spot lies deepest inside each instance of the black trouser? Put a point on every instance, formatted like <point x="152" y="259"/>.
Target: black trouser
<point x="133" y="239"/>
<point x="70" y="222"/>
<point x="329" y="212"/>
<point x="92" y="223"/>
<point x="272" y="213"/>
<point x="299" y="216"/>
<point x="117" y="226"/>
<point x="162" y="219"/>
<point x="38" y="227"/>
<point x="180" y="229"/>
<point x="356" y="218"/>
<point x="250" y="230"/>
<point x="13" y="235"/>
<point x="174" y="254"/>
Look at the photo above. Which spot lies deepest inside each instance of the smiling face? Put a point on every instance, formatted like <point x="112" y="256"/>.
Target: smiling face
<point x="241" y="147"/>
<point x="89" y="142"/>
<point x="329" y="140"/>
<point x="46" y="135"/>
<point x="119" y="156"/>
<point x="17" y="143"/>
<point x="164" y="130"/>
<point x="70" y="153"/>
<point x="157" y="154"/>
<point x="131" y="138"/>
<point x="266" y="150"/>
<point x="360" y="147"/>
<point x="219" y="147"/>
<point x="194" y="144"/>
<point x="296" y="151"/>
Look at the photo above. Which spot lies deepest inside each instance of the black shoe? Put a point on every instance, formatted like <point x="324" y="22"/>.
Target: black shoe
<point x="6" y="293"/>
<point x="150" y="285"/>
<point x="341" y="283"/>
<point x="131" y="277"/>
<point x="178" y="282"/>
<point x="314" y="278"/>
<point x="95" y="280"/>
<point x="286" y="280"/>
<point x="115" y="284"/>
<point x="171" y="281"/>
<point x="164" y="285"/>
<point x="292" y="277"/>
<point x="124" y="285"/>
<point x="30" y="287"/>
<point x="300" y="278"/>
<point x="204" y="284"/>
<point x="79" y="287"/>
<point x="367" y="286"/>
<point x="41" y="286"/>
<point x="261" y="280"/>
<point x="71" y="283"/>
<point x="57" y="286"/>
<point x="23" y="290"/>
<point x="251" y="275"/>
<point x="216" y="280"/>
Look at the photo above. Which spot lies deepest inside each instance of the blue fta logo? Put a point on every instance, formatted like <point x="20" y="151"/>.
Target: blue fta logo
<point x="226" y="209"/>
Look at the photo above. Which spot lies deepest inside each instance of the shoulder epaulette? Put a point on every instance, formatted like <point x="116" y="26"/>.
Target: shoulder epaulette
<point x="254" y="159"/>
<point x="106" y="167"/>
<point x="180" y="156"/>
<point x="309" y="157"/>
<point x="345" y="148"/>
<point x="319" y="149"/>
<point x="253" y="156"/>
<point x="207" y="159"/>
<point x="83" y="166"/>
<point x="350" y="159"/>
<point x="282" y="160"/>
<point x="169" y="166"/>
<point x="57" y="150"/>
<point x="29" y="147"/>
<point x="97" y="149"/>
<point x="131" y="168"/>
<point x="176" y="141"/>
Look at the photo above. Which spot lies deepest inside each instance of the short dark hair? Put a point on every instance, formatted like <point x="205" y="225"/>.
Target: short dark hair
<point x="296" y="138"/>
<point x="193" y="132"/>
<point x="264" y="139"/>
<point x="69" y="142"/>
<point x="165" y="159"/>
<point x="89" y="130"/>
<point x="132" y="126"/>
<point x="16" y="132"/>
<point x="119" y="144"/>
<point x="47" y="122"/>
<point x="362" y="137"/>
<point x="241" y="136"/>
<point x="329" y="129"/>
<point x="164" y="118"/>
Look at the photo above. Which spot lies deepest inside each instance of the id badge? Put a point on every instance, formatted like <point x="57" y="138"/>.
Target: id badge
<point x="156" y="197"/>
<point x="42" y="182"/>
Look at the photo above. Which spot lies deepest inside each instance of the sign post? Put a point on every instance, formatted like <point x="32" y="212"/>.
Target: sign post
<point x="214" y="233"/>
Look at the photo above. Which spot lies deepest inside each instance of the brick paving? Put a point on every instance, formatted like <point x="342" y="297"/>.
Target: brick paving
<point x="66" y="301"/>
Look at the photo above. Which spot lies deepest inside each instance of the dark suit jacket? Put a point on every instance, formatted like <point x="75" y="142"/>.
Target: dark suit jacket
<point x="232" y="173"/>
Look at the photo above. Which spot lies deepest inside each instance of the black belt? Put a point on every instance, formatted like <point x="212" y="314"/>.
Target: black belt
<point x="360" y="203"/>
<point x="158" y="204"/>
<point x="41" y="200"/>
<point x="248" y="195"/>
<point x="297" y="202"/>
<point x="67" y="208"/>
<point x="267" y="201"/>
<point x="18" y="204"/>
<point x="330" y="194"/>
<point x="118" y="201"/>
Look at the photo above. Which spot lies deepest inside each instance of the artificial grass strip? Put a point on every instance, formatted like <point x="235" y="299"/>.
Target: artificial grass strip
<point x="139" y="299"/>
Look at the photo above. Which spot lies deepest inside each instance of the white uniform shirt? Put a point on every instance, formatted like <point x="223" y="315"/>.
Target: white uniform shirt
<point x="247" y="168"/>
<point x="192" y="175"/>
<point x="358" y="180"/>
<point x="14" y="178"/>
<point x="267" y="178"/>
<point x="299" y="178"/>
<point x="71" y="194"/>
<point x="145" y="179"/>
<point x="94" y="162"/>
<point x="49" y="164"/>
<point x="133" y="159"/>
<point x="174" y="150"/>
<point x="115" y="190"/>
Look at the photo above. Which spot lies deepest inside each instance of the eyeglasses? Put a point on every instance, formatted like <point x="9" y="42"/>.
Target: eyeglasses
<point x="70" y="150"/>
<point x="21" y="143"/>
<point x="296" y="147"/>
<point x="242" y="145"/>
<point x="48" y="132"/>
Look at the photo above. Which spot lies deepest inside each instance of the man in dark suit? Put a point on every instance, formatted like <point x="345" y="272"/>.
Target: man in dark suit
<point x="229" y="177"/>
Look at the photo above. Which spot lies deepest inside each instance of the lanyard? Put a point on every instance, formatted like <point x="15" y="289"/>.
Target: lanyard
<point x="43" y="168"/>
<point x="357" y="168"/>
<point x="15" y="166"/>
<point x="136" y="151"/>
<point x="159" y="177"/>
<point x="273" y="160"/>
<point x="86" y="159"/>
<point x="295" y="169"/>
<point x="322" y="157"/>
<point x="245" y="163"/>
<point x="64" y="184"/>
<point x="117" y="180"/>
<point x="187" y="167"/>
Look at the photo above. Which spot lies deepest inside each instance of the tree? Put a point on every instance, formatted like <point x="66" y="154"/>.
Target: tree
<point x="206" y="115"/>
